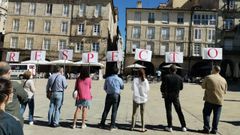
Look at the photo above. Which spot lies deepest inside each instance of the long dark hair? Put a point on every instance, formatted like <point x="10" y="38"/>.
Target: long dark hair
<point x="5" y="88"/>
<point x="141" y="74"/>
<point x="84" y="73"/>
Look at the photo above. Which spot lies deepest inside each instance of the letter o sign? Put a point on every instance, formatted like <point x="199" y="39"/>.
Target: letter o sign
<point x="212" y="53"/>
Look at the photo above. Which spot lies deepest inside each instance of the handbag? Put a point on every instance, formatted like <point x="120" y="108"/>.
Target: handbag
<point x="75" y="92"/>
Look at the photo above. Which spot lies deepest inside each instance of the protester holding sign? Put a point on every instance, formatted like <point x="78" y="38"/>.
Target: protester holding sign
<point x="83" y="99"/>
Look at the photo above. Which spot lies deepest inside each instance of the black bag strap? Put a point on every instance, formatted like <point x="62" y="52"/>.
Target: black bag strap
<point x="54" y="82"/>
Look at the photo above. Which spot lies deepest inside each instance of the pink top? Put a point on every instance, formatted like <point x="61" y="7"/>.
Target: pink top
<point x="84" y="89"/>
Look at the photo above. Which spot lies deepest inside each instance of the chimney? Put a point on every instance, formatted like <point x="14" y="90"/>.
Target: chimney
<point x="139" y="4"/>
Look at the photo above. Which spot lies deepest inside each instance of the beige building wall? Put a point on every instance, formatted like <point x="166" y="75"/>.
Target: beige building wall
<point x="3" y="15"/>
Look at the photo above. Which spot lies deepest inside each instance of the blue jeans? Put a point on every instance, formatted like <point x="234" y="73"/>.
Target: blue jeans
<point x="56" y="101"/>
<point x="207" y="110"/>
<point x="30" y="104"/>
<point x="112" y="100"/>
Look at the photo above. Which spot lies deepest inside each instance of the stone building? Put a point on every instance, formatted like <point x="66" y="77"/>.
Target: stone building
<point x="3" y="18"/>
<point x="52" y="25"/>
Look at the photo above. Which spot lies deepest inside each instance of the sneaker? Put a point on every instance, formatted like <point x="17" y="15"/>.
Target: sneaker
<point x="31" y="123"/>
<point x="204" y="131"/>
<point x="102" y="126"/>
<point x="113" y="128"/>
<point x="213" y="132"/>
<point x="74" y="126"/>
<point x="184" y="129"/>
<point x="84" y="126"/>
<point x="169" y="129"/>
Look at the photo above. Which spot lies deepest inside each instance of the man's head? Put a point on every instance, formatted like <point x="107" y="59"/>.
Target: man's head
<point x="114" y="71"/>
<point x="60" y="69"/>
<point x="173" y="69"/>
<point x="5" y="70"/>
<point x="216" y="69"/>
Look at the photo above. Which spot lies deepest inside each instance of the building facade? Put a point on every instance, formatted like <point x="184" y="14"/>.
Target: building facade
<point x="171" y="27"/>
<point x="52" y="25"/>
<point x="3" y="18"/>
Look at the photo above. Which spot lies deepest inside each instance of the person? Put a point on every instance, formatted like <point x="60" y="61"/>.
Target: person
<point x="19" y="95"/>
<point x="170" y="88"/>
<point x="215" y="87"/>
<point x="56" y="85"/>
<point x="29" y="87"/>
<point x="9" y="125"/>
<point x="158" y="75"/>
<point x="140" y="87"/>
<point x="83" y="86"/>
<point x="112" y="86"/>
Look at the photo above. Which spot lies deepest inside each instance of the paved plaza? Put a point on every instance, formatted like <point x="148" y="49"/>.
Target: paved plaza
<point x="155" y="118"/>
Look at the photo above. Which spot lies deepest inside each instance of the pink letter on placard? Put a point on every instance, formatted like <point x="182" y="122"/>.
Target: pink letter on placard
<point x="90" y="56"/>
<point x="37" y="55"/>
<point x="140" y="54"/>
<point x="210" y="55"/>
<point x="65" y="55"/>
<point x="113" y="55"/>
<point x="12" y="55"/>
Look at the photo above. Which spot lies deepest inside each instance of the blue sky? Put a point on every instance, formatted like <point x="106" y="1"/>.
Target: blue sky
<point x="123" y="4"/>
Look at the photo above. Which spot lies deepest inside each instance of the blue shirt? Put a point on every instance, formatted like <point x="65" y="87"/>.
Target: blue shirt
<point x="113" y="84"/>
<point x="59" y="85"/>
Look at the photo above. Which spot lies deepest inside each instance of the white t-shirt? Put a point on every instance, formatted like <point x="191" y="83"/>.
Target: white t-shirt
<point x="140" y="89"/>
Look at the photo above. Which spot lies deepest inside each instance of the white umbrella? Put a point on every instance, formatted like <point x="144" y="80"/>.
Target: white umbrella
<point x="38" y="62"/>
<point x="236" y="71"/>
<point x="61" y="62"/>
<point x="169" y="65"/>
<point x="80" y="63"/>
<point x="135" y="66"/>
<point x="228" y="71"/>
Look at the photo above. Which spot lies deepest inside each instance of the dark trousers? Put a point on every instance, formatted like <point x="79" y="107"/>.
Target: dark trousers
<point x="168" y="105"/>
<point x="30" y="104"/>
<point x="112" y="100"/>
<point x="207" y="110"/>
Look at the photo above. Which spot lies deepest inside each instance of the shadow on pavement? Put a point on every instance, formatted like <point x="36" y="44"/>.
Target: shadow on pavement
<point x="231" y="100"/>
<point x="235" y="123"/>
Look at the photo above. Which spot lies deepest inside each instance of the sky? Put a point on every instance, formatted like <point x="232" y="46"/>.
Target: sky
<point x="123" y="4"/>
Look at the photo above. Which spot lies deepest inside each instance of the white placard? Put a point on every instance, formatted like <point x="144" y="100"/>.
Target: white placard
<point x="12" y="56"/>
<point x="38" y="55"/>
<point x="65" y="54"/>
<point x="174" y="57"/>
<point x="113" y="56"/>
<point x="143" y="55"/>
<point x="90" y="57"/>
<point x="212" y="54"/>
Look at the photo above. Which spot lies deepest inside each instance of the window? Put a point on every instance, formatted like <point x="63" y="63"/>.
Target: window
<point x="228" y="24"/>
<point x="231" y="4"/>
<point x="82" y="10"/>
<point x="164" y="48"/>
<point x="197" y="19"/>
<point x="151" y="18"/>
<point x="137" y="16"/>
<point x="212" y="19"/>
<point x="96" y="29"/>
<point x="16" y="25"/>
<point x="211" y="35"/>
<point x="150" y="46"/>
<point x="49" y="9"/>
<point x="97" y="11"/>
<point x="47" y="26"/>
<point x="136" y="32"/>
<point x="179" y="47"/>
<point x="135" y="45"/>
<point x="210" y="45"/>
<point x="46" y="44"/>
<point x="151" y="33"/>
<point x="165" y="33"/>
<point x="95" y="47"/>
<point x="180" y="34"/>
<point x="228" y="44"/>
<point x="31" y="25"/>
<point x="62" y="44"/>
<point x="65" y="10"/>
<point x="180" y="18"/>
<point x="29" y="43"/>
<point x="32" y="9"/>
<point x="196" y="49"/>
<point x="81" y="29"/>
<point x="165" y="18"/>
<point x="64" y="27"/>
<point x="14" y="42"/>
<point x="79" y="47"/>
<point x="197" y="34"/>
<point x="17" y="8"/>
<point x="204" y="19"/>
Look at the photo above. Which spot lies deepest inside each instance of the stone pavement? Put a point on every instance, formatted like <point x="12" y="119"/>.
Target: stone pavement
<point x="155" y="118"/>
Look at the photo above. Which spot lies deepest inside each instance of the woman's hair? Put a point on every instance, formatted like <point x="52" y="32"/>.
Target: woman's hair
<point x="84" y="73"/>
<point x="27" y="74"/>
<point x="141" y="74"/>
<point x="5" y="88"/>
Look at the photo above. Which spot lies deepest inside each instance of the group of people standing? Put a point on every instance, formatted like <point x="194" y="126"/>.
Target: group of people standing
<point x="215" y="87"/>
